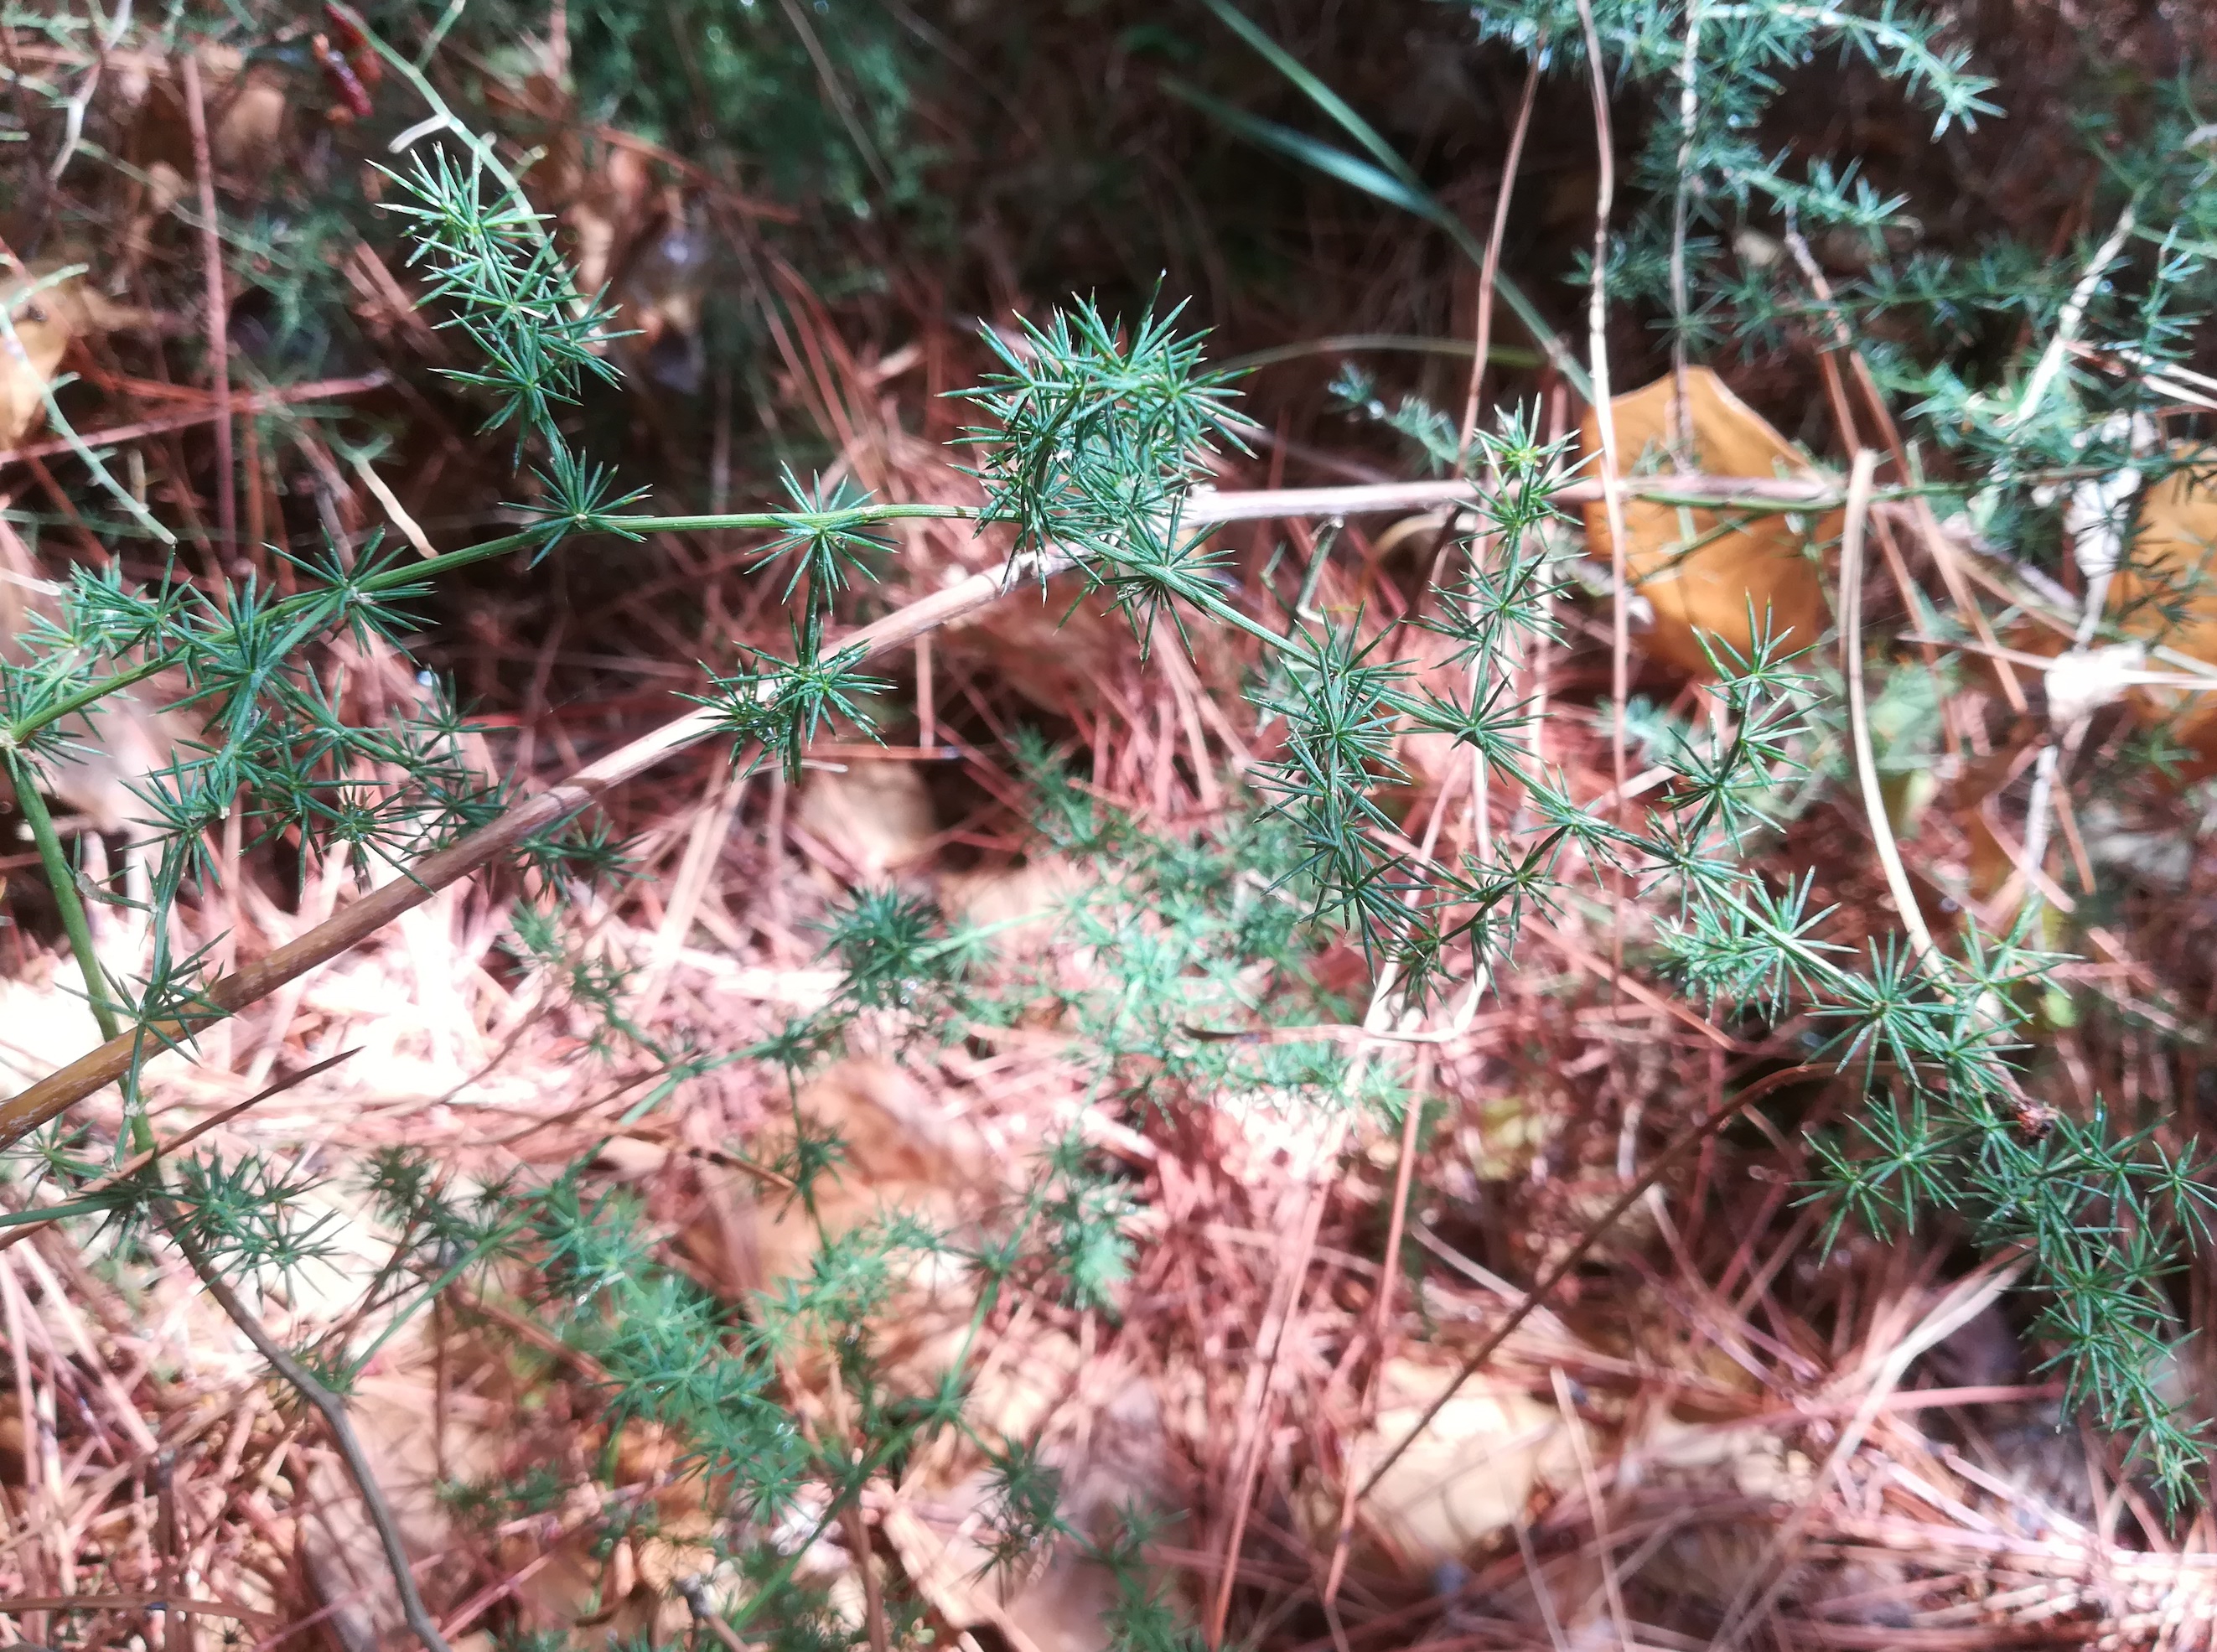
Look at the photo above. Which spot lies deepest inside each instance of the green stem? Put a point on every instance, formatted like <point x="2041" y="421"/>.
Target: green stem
<point x="56" y="1213"/>
<point x="791" y="520"/>
<point x="90" y="695"/>
<point x="478" y="145"/>
<point x="20" y="733"/>
<point x="402" y="575"/>
<point x="61" y="879"/>
<point x="407" y="573"/>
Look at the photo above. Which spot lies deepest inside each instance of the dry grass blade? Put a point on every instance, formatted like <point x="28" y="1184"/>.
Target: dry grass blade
<point x="1604" y="410"/>
<point x="218" y="303"/>
<point x="1851" y="667"/>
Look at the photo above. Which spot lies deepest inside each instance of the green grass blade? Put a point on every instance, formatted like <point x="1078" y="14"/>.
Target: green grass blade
<point x="1397" y="188"/>
<point x="1318" y="93"/>
<point x="1409" y="196"/>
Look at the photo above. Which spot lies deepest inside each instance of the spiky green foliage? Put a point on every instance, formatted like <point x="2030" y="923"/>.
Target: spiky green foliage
<point x="1092" y="439"/>
<point x="487" y="255"/>
<point x="1198" y="984"/>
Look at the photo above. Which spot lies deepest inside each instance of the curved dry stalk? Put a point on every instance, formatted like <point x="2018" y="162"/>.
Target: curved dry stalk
<point x="1851" y="666"/>
<point x="1492" y="268"/>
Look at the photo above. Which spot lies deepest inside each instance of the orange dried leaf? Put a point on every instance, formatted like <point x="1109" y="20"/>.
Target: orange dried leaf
<point x="44" y="322"/>
<point x="1702" y="569"/>
<point x="2166" y="592"/>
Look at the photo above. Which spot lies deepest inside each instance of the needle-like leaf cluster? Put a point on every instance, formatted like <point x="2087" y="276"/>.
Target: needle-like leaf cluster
<point x="1183" y="971"/>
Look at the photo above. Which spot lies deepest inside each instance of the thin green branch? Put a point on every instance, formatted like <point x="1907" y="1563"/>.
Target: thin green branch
<point x="61" y="881"/>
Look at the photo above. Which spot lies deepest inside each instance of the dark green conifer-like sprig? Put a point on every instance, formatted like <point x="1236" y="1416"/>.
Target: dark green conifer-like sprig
<point x="1702" y="177"/>
<point x="1146" y="1617"/>
<point x="823" y="557"/>
<point x="1083" y="1220"/>
<point x="1339" y="705"/>
<point x="1947" y="1126"/>
<point x="1022" y="1510"/>
<point x="782" y="706"/>
<point x="287" y="755"/>
<point x="1095" y="434"/>
<point x="1429" y="434"/>
<point x="1922" y="1031"/>
<point x="243" y="1215"/>
<point x="489" y="257"/>
<point x="894" y="952"/>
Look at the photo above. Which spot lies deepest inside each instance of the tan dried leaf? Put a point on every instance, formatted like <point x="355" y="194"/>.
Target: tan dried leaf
<point x="2166" y="593"/>
<point x="1470" y="1475"/>
<point x="45" y="323"/>
<point x="876" y="815"/>
<point x="1701" y="570"/>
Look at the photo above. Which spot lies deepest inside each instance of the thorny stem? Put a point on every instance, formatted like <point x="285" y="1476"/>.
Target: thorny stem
<point x="350" y="928"/>
<point x="292" y="607"/>
<point x="59" y="1090"/>
<point x="1204" y="506"/>
<point x="90" y="695"/>
<point x="1904" y="42"/>
<point x="333" y="1412"/>
<point x="1404" y="1175"/>
<point x="850" y="516"/>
